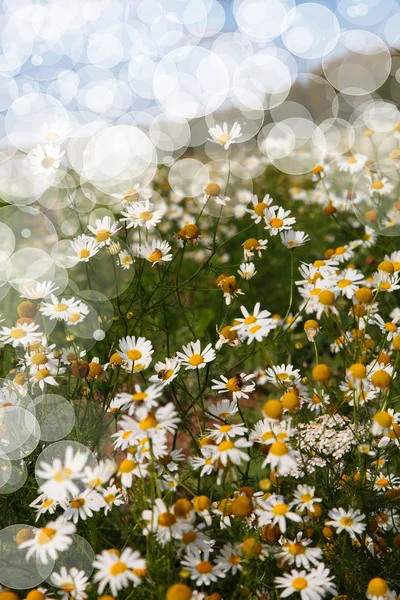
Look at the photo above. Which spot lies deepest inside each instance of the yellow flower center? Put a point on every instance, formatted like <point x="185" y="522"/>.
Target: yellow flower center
<point x="78" y="503"/>
<point x="377" y="185"/>
<point x="233" y="384"/>
<point x="250" y="320"/>
<point x="259" y="208"/>
<point x="280" y="510"/>
<point x="344" y="283"/>
<point x="62" y="475"/>
<point x="346" y="521"/>
<point x="225" y="445"/>
<point x="299" y="583"/>
<point x="42" y="374"/>
<point x="390" y="327"/>
<point x="103" y="235"/>
<point x="148" y="423"/>
<point x="134" y="354"/>
<point x="204" y="567"/>
<point x="165" y="374"/>
<point x="213" y="189"/>
<point x="84" y="253"/>
<point x="146" y="215"/>
<point x="296" y="549"/>
<point x="127" y="466"/>
<point x="47" y="162"/>
<point x="223" y="138"/>
<point x="155" y="255"/>
<point x="352" y="160"/>
<point x="39" y="359"/>
<point x="139" y="396"/>
<point x="279" y="449"/>
<point x="378" y="587"/>
<point x="382" y="482"/>
<point x="189" y="538"/>
<point x="118" y="568"/>
<point x="45" y="535"/>
<point x="195" y="360"/>
<point x="109" y="498"/>
<point x="225" y="428"/>
<point x="305" y="497"/>
<point x="166" y="519"/>
<point x="17" y="334"/>
<point x="275" y="222"/>
<point x="75" y="317"/>
<point x="60" y="307"/>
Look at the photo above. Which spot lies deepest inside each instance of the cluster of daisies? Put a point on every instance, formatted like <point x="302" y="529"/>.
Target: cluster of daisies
<point x="241" y="465"/>
<point x="363" y="183"/>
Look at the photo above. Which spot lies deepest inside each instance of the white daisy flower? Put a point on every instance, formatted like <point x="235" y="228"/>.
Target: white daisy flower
<point x="294" y="239"/>
<point x="162" y="522"/>
<point x="42" y="377"/>
<point x="239" y="386"/>
<point x="226" y="431"/>
<point x="36" y="290"/>
<point x="299" y="553"/>
<point x="277" y="219"/>
<point x="60" y="308"/>
<point x="84" y="506"/>
<point x="167" y="371"/>
<point x="255" y="325"/>
<point x="381" y="187"/>
<point x="202" y="571"/>
<point x="84" y="247"/>
<point x="133" y="194"/>
<point x="146" y="397"/>
<point x="251" y="246"/>
<point x="224" y="409"/>
<point x="55" y="131"/>
<point x="311" y="586"/>
<point x="280" y="458"/>
<point x="283" y="375"/>
<point x="117" y="570"/>
<point x="195" y="358"/>
<point x="46" y="161"/>
<point x="142" y="214"/>
<point x="48" y="541"/>
<point x="112" y="497"/>
<point x="352" y="164"/>
<point x="389" y="328"/>
<point x="72" y="583"/>
<point x="231" y="452"/>
<point x="78" y="315"/>
<point x="348" y="282"/>
<point x="156" y="252"/>
<point x="22" y="334"/>
<point x="258" y="209"/>
<point x="350" y="521"/>
<point x="61" y="475"/>
<point x="222" y="135"/>
<point x="135" y="352"/>
<point x="304" y="498"/>
<point x="231" y="558"/>
<point x="103" y="230"/>
<point x="125" y="259"/>
<point x="247" y="270"/>
<point x="43" y="505"/>
<point x="275" y="511"/>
